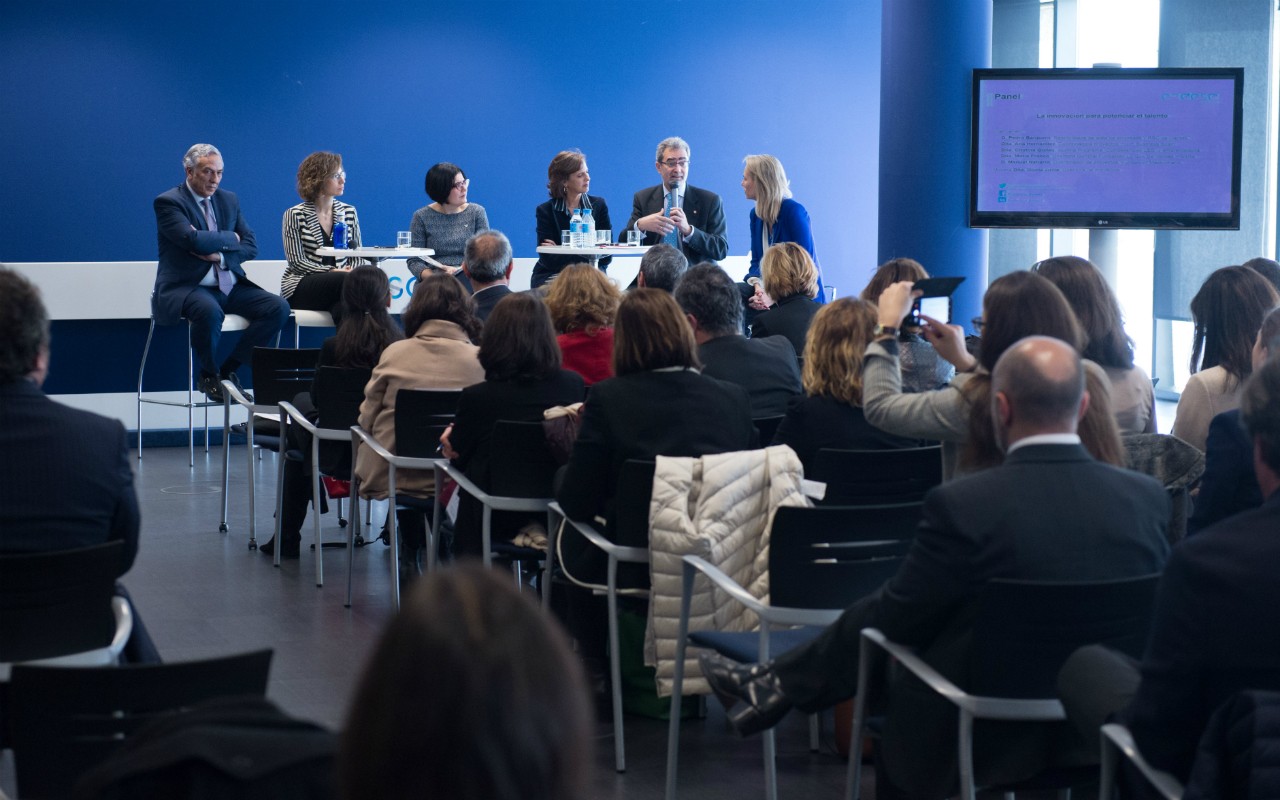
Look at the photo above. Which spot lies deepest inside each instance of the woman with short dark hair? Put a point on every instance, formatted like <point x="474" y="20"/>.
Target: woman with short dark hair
<point x="522" y="379"/>
<point x="447" y="222"/>
<point x="567" y="183"/>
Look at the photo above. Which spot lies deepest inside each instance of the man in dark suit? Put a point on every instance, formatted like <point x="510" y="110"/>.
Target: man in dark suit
<point x="487" y="262"/>
<point x="1049" y="513"/>
<point x="767" y="368"/>
<point x="1217" y="611"/>
<point x="678" y="214"/>
<point x="65" y="479"/>
<point x="1228" y="485"/>
<point x="203" y="241"/>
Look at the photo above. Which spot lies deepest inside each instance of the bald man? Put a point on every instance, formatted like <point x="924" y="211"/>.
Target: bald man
<point x="1050" y="512"/>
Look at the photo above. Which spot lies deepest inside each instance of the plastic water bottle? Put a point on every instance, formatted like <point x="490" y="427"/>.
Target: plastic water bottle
<point x="575" y="229"/>
<point x="340" y="235"/>
<point x="588" y="228"/>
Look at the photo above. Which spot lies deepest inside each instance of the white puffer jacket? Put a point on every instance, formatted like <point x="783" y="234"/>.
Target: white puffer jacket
<point x="720" y="508"/>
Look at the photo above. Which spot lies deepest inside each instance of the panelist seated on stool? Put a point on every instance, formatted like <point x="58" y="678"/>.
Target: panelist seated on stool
<point x="203" y="241"/>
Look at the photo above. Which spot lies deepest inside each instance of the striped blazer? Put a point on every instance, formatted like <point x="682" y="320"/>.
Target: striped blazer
<point x="303" y="236"/>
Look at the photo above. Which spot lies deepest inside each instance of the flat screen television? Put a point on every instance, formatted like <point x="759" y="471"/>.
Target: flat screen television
<point x="1106" y="148"/>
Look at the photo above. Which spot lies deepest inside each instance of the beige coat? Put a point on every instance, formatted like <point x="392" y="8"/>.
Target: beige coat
<point x="439" y="356"/>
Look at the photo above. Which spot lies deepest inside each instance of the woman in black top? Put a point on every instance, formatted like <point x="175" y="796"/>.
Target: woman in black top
<point x="567" y="183"/>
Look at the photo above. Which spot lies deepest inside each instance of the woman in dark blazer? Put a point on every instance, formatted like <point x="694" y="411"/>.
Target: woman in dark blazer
<point x="567" y="182"/>
<point x="791" y="280"/>
<point x="523" y="378"/>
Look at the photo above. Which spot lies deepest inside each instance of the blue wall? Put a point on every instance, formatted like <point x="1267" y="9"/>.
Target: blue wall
<point x="102" y="100"/>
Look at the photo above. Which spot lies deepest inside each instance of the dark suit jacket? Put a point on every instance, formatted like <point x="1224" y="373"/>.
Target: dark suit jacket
<point x="791" y="318"/>
<point x="766" y="368"/>
<point x="1049" y="513"/>
<point x="821" y="421"/>
<point x="550" y="222"/>
<point x="1229" y="484"/>
<point x="181" y="232"/>
<point x="705" y="213"/>
<point x="486" y="299"/>
<point x="1217" y="613"/>
<point x="65" y="479"/>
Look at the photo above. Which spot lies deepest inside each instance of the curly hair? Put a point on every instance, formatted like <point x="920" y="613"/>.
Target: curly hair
<point x="441" y="296"/>
<point x="834" y="350"/>
<point x="787" y="269"/>
<point x="314" y="171"/>
<point x="582" y="298"/>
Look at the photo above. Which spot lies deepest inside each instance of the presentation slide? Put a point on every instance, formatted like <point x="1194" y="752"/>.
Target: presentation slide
<point x="1093" y="145"/>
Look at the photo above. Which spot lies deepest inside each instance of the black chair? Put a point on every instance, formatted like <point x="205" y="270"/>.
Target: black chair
<point x="65" y="720"/>
<point x="627" y="554"/>
<point x="521" y="472"/>
<point x="278" y="374"/>
<point x="1023" y="633"/>
<point x="338" y="394"/>
<point x="767" y="427"/>
<point x="421" y="417"/>
<point x="858" y="477"/>
<point x="821" y="560"/>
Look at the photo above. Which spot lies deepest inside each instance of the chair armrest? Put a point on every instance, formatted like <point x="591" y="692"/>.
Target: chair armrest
<point x="124" y="625"/>
<point x="401" y="462"/>
<point x="496" y="502"/>
<point x="774" y="615"/>
<point x="638" y="555"/>
<point x="297" y="417"/>
<point x="725" y="583"/>
<point x="1168" y="786"/>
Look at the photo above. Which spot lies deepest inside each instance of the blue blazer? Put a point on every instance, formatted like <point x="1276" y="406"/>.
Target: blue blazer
<point x="182" y="234"/>
<point x="792" y="226"/>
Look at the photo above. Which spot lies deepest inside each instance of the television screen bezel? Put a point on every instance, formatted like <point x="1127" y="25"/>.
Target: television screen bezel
<point x="1117" y="218"/>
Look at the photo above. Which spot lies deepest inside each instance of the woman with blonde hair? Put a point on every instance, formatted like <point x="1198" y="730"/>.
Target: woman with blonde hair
<point x="567" y="183"/>
<point x="791" y="279"/>
<point x="830" y="415"/>
<point x="775" y="218"/>
<point x="583" y="302"/>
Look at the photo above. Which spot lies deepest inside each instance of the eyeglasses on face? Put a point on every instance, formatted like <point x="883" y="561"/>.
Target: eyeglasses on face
<point x="672" y="163"/>
<point x="462" y="184"/>
<point x="340" y="175"/>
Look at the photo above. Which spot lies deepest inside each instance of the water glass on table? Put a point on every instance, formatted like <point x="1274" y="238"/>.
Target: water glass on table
<point x="604" y="236"/>
<point x="634" y="237"/>
<point x="566" y="238"/>
<point x="404" y="239"/>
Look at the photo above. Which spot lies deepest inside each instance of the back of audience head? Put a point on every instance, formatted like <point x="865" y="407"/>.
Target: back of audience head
<point x="24" y="330"/>
<point x="834" y="349"/>
<point x="652" y="333"/>
<point x="1037" y="386"/>
<point x="487" y="257"/>
<point x="661" y="267"/>
<point x="582" y="298"/>
<point x="1268" y="342"/>
<point x="1260" y="411"/>
<point x="1227" y="312"/>
<point x="1095" y="306"/>
<point x="1267" y="268"/>
<point x="471" y="693"/>
<point x="440" y="179"/>
<point x="441" y="296"/>
<point x="787" y="269"/>
<point x="366" y="328"/>
<point x="891" y="272"/>
<point x="709" y="295"/>
<point x="518" y="342"/>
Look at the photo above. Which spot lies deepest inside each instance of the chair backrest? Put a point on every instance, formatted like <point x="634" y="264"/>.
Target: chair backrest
<point x="65" y="720"/>
<point x="766" y="427"/>
<point x="520" y="462"/>
<point x="1024" y="630"/>
<point x="830" y="556"/>
<point x="338" y="394"/>
<point x="858" y="477"/>
<point x="58" y="602"/>
<point x="421" y="416"/>
<point x="282" y="373"/>
<point x="631" y="503"/>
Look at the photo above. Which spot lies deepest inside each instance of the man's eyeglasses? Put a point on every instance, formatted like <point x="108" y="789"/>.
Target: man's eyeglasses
<point x="672" y="163"/>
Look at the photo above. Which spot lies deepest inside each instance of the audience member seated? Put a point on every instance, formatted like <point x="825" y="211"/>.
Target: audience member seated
<point x="1217" y="608"/>
<point x="767" y="368"/>
<point x="1227" y="311"/>
<point x="488" y="263"/>
<point x="774" y="219"/>
<point x="790" y="282"/>
<point x="1106" y="343"/>
<point x="923" y="370"/>
<point x="1016" y="305"/>
<point x="567" y="183"/>
<point x="522" y="378"/>
<point x="65" y="480"/>
<point x="661" y="267"/>
<point x="471" y="692"/>
<point x="366" y="330"/>
<point x="830" y="415"/>
<point x="583" y="302"/>
<point x="1228" y="485"/>
<point x="438" y="354"/>
<point x="1267" y="268"/>
<point x="312" y="282"/>
<point x="1050" y="512"/>
<point x="445" y="224"/>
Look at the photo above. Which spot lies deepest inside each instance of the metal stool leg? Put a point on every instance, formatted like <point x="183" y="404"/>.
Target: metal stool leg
<point x="146" y="349"/>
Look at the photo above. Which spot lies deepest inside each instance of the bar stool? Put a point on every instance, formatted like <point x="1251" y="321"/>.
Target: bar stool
<point x="303" y="318"/>
<point x="232" y="322"/>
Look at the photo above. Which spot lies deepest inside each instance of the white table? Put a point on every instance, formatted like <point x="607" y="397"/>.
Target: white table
<point x="594" y="254"/>
<point x="378" y="254"/>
